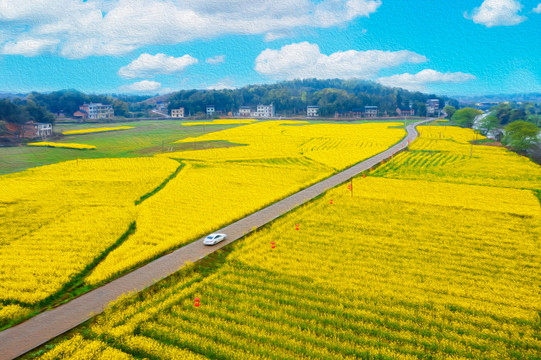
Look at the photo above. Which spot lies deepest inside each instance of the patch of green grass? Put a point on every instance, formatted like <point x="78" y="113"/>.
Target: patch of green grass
<point x="161" y="186"/>
<point x="146" y="139"/>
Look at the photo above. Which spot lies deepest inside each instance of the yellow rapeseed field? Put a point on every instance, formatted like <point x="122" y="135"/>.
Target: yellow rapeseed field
<point x="64" y="222"/>
<point x="445" y="154"/>
<point x="402" y="268"/>
<point x="219" y="186"/>
<point x="57" y="219"/>
<point x="220" y="122"/>
<point x="94" y="130"/>
<point x="63" y="145"/>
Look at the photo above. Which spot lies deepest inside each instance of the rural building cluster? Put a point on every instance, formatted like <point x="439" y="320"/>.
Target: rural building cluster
<point x="95" y="111"/>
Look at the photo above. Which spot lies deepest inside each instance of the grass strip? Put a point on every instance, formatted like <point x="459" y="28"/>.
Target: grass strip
<point x="162" y="185"/>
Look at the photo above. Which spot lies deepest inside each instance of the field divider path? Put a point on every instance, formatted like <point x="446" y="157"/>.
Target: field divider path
<point x="44" y="327"/>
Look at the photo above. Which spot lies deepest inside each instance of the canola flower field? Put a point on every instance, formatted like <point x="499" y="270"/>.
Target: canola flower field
<point x="220" y="122"/>
<point x="63" y="145"/>
<point x="84" y="222"/>
<point x="94" y="130"/>
<point x="442" y="266"/>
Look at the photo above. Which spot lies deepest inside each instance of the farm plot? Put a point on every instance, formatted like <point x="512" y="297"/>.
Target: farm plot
<point x="422" y="269"/>
<point x="219" y="186"/>
<point x="57" y="219"/>
<point x="84" y="222"/>
<point x="443" y="153"/>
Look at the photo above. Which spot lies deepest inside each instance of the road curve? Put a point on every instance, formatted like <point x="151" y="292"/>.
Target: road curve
<point x="38" y="330"/>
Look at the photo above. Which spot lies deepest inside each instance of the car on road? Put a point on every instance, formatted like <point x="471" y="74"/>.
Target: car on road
<point x="213" y="239"/>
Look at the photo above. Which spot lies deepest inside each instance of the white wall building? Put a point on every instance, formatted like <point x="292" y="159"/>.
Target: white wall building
<point x="98" y="111"/>
<point x="43" y="129"/>
<point x="312" y="111"/>
<point x="211" y="109"/>
<point x="245" y="111"/>
<point x="432" y="106"/>
<point x="265" y="110"/>
<point x="370" y="111"/>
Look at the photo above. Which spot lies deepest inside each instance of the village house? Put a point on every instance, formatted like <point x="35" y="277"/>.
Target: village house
<point x="95" y="111"/>
<point x="405" y="111"/>
<point x="211" y="109"/>
<point x="31" y="129"/>
<point x="312" y="111"/>
<point x="265" y="110"/>
<point x="162" y="106"/>
<point x="432" y="106"/>
<point x="370" y="111"/>
<point x="351" y="114"/>
<point x="177" y="113"/>
<point x="245" y="111"/>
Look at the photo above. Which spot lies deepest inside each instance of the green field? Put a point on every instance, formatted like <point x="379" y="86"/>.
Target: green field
<point x="146" y="139"/>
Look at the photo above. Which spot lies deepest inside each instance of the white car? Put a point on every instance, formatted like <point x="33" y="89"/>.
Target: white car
<point x="213" y="239"/>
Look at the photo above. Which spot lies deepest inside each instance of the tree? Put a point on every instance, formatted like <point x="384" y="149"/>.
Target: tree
<point x="465" y="117"/>
<point x="521" y="135"/>
<point x="449" y="110"/>
<point x="488" y="123"/>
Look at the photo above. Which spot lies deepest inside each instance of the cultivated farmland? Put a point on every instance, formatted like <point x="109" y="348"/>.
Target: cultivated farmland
<point x="431" y="256"/>
<point x="79" y="223"/>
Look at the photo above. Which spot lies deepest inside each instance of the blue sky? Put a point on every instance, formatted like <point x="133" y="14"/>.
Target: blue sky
<point x="156" y="46"/>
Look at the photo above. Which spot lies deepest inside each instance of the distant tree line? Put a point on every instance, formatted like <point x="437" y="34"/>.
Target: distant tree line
<point x="21" y="111"/>
<point x="516" y="124"/>
<point x="68" y="102"/>
<point x="291" y="98"/>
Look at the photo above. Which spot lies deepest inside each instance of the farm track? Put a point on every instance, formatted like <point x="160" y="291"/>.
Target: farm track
<point x="44" y="327"/>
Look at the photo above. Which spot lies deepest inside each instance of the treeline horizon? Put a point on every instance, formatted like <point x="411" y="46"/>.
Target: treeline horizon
<point x="290" y="98"/>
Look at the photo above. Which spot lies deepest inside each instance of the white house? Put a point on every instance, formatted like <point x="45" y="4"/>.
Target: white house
<point x="245" y="111"/>
<point x="432" y="106"/>
<point x="370" y="111"/>
<point x="265" y="110"/>
<point x="312" y="111"/>
<point x="211" y="109"/>
<point x="97" y="111"/>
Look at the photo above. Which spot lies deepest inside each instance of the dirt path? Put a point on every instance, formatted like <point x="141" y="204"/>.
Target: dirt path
<point x="38" y="330"/>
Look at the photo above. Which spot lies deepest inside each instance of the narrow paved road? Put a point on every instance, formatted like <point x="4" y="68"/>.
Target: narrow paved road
<point x="38" y="330"/>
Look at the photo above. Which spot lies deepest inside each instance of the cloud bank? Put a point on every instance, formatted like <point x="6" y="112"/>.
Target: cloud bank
<point x="497" y="13"/>
<point x="79" y="29"/>
<point x="142" y="86"/>
<point x="419" y="81"/>
<point x="305" y="60"/>
<point x="147" y="65"/>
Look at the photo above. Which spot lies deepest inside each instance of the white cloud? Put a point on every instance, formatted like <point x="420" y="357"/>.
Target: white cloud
<point x="29" y="47"/>
<point x="497" y="13"/>
<point x="304" y="60"/>
<point x="116" y="27"/>
<point x="225" y="83"/>
<point x="276" y="35"/>
<point x="418" y="82"/>
<point x="537" y="10"/>
<point x="142" y="86"/>
<point x="218" y="59"/>
<point x="147" y="65"/>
